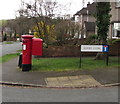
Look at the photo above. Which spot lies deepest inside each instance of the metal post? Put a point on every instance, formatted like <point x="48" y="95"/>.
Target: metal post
<point x="107" y="59"/>
<point x="80" y="58"/>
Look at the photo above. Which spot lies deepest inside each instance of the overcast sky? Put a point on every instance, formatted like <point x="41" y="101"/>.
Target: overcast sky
<point x="8" y="7"/>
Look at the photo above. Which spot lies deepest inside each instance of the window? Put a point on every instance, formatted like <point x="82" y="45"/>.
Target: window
<point x="116" y="30"/>
<point x="118" y="3"/>
<point x="118" y="33"/>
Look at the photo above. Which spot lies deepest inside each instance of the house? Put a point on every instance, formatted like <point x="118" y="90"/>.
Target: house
<point x="87" y="20"/>
<point x="7" y="31"/>
<point x="114" y="30"/>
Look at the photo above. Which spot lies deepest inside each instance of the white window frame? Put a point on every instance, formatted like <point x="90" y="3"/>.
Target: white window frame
<point x="118" y="3"/>
<point x="114" y="35"/>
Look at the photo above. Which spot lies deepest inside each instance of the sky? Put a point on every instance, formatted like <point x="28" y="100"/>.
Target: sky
<point x="8" y="8"/>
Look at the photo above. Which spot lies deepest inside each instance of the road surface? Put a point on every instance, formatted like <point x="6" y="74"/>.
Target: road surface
<point x="19" y="94"/>
<point x="9" y="48"/>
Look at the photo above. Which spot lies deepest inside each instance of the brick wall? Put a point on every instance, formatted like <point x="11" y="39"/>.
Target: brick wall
<point x="114" y="49"/>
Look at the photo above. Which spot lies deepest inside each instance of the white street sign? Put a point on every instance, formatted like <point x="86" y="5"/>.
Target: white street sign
<point x="91" y="48"/>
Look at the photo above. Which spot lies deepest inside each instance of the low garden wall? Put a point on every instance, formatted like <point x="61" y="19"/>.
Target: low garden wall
<point x="114" y="49"/>
<point x="70" y="51"/>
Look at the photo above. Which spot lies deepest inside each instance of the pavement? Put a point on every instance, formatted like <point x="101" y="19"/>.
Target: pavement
<point x="11" y="74"/>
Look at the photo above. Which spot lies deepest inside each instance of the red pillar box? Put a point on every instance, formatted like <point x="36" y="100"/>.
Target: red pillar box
<point x="26" y="52"/>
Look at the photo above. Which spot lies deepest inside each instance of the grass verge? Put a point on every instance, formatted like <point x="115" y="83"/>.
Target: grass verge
<point x="9" y="42"/>
<point x="19" y="50"/>
<point x="8" y="57"/>
<point x="67" y="64"/>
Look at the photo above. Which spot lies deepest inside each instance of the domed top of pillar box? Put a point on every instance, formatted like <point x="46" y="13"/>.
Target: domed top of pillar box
<point x="27" y="36"/>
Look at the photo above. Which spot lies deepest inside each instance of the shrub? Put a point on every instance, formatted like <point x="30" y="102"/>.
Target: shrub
<point x="115" y="41"/>
<point x="91" y="39"/>
<point x="109" y="41"/>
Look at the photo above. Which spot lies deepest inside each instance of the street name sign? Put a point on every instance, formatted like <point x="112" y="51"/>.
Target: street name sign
<point x="94" y="48"/>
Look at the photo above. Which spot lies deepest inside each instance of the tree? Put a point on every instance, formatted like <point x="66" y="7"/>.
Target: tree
<point x="2" y="26"/>
<point x="20" y="25"/>
<point x="49" y="31"/>
<point x="103" y="20"/>
<point x="40" y="10"/>
<point x="66" y="30"/>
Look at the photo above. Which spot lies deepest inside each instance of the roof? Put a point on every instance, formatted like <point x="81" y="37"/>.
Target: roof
<point x="90" y="26"/>
<point x="82" y="11"/>
<point x="91" y="8"/>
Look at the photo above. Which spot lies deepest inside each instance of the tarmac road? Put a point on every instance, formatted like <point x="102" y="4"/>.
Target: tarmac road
<point x="9" y="48"/>
<point x="19" y="94"/>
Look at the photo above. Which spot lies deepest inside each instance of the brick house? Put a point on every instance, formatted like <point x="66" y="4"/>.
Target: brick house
<point x="87" y="20"/>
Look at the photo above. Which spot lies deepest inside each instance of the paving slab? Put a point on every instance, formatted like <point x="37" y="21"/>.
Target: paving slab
<point x="72" y="81"/>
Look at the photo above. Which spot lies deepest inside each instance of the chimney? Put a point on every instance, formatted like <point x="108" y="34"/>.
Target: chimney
<point x="88" y="4"/>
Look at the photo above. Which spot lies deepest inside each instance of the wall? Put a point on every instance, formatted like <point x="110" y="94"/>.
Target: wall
<point x="115" y="12"/>
<point x="70" y="51"/>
